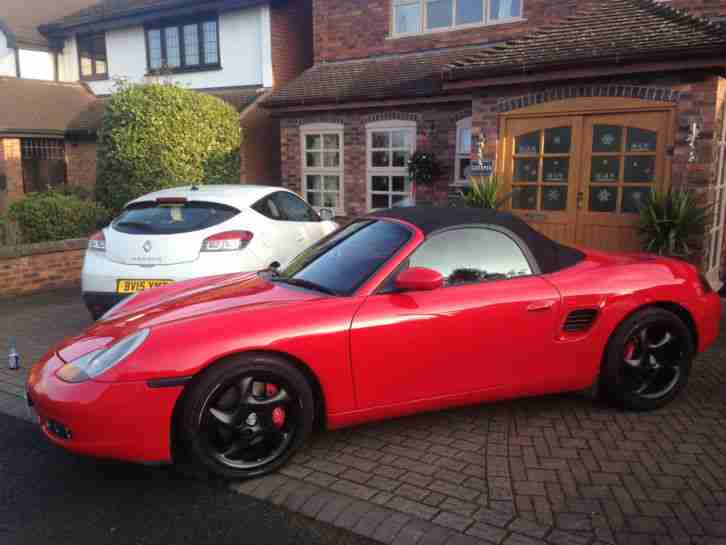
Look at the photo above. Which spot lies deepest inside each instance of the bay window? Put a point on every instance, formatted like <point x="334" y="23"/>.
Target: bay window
<point x="418" y="16"/>
<point x="322" y="168"/>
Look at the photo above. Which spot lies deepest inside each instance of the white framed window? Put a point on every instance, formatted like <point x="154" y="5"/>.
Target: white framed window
<point x="389" y="145"/>
<point x="419" y="16"/>
<point x="463" y="151"/>
<point x="322" y="166"/>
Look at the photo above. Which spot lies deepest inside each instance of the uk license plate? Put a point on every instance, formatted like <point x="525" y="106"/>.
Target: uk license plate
<point x="135" y="285"/>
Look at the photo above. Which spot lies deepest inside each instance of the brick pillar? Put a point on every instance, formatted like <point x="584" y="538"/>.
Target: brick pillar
<point x="11" y="167"/>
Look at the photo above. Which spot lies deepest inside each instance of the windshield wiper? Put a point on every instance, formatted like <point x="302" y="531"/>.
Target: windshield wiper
<point x="307" y="284"/>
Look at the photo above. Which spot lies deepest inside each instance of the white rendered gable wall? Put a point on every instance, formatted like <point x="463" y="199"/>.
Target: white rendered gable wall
<point x="7" y="57"/>
<point x="245" y="55"/>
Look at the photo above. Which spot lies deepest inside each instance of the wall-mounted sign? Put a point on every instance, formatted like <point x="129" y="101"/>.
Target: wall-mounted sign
<point x="484" y="167"/>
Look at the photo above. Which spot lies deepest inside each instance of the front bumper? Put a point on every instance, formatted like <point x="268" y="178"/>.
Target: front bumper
<point x="125" y="421"/>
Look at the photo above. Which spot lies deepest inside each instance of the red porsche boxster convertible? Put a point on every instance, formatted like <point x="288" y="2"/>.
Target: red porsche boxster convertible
<point x="401" y="311"/>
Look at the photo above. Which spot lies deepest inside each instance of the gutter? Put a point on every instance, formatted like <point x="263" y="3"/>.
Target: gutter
<point x="454" y="73"/>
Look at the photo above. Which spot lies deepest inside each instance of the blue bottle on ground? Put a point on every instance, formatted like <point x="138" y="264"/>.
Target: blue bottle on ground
<point x="13" y="356"/>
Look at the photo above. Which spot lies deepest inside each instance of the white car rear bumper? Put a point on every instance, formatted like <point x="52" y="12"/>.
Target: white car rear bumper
<point x="100" y="275"/>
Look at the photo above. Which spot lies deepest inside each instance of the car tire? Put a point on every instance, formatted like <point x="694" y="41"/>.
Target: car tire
<point x="647" y="361"/>
<point x="217" y="415"/>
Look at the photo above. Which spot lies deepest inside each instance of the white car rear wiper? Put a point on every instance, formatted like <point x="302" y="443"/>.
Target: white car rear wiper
<point x="137" y="224"/>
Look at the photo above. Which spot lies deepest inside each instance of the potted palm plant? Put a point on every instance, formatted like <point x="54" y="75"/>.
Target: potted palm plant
<point x="483" y="192"/>
<point x="670" y="221"/>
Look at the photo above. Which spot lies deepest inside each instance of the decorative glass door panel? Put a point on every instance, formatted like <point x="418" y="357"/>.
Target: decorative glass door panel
<point x="623" y="163"/>
<point x="582" y="179"/>
<point x="540" y="175"/>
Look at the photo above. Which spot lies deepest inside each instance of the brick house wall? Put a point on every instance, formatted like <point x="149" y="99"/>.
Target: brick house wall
<point x="436" y="131"/>
<point x="37" y="267"/>
<point x="693" y="95"/>
<point x="11" y="168"/>
<point x="292" y="39"/>
<point x="292" y="54"/>
<point x="81" y="163"/>
<point x="353" y="29"/>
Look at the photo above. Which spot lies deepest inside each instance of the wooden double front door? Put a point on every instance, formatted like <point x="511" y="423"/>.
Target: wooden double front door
<point x="581" y="178"/>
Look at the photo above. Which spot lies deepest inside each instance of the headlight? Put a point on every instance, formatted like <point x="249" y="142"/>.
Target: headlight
<point x="93" y="364"/>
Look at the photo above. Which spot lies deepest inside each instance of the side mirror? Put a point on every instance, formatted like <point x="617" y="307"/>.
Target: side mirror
<point x="419" y="279"/>
<point x="326" y="214"/>
<point x="274" y="265"/>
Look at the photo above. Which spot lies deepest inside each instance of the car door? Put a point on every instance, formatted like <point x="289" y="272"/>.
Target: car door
<point x="490" y="326"/>
<point x="278" y="235"/>
<point x="306" y="217"/>
<point x="298" y="219"/>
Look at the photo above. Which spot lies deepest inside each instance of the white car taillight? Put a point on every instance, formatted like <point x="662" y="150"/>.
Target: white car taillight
<point x="227" y="242"/>
<point x="97" y="242"/>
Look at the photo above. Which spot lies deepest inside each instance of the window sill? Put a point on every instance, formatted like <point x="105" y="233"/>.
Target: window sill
<point x="95" y="78"/>
<point x="338" y="212"/>
<point x="184" y="70"/>
<point x="456" y="28"/>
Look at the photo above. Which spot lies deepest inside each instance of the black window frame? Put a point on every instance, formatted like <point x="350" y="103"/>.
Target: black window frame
<point x="179" y="24"/>
<point x="90" y="40"/>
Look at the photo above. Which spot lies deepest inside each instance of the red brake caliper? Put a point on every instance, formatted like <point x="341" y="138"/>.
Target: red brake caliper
<point x="629" y="350"/>
<point x="278" y="413"/>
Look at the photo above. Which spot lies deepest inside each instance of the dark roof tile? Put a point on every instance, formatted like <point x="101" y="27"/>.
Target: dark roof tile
<point x="613" y="31"/>
<point x="22" y="17"/>
<point x="31" y="106"/>
<point x="391" y="76"/>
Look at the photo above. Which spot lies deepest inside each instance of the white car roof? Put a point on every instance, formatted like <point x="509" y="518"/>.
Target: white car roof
<point x="232" y="195"/>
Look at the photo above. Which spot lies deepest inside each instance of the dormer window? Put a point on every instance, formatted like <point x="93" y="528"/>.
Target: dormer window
<point x="92" y="57"/>
<point x="183" y="46"/>
<point x="420" y="16"/>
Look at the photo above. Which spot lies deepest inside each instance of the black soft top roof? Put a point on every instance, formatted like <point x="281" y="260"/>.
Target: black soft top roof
<point x="550" y="255"/>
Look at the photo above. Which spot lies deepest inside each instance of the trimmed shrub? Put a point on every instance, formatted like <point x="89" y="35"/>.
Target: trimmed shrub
<point x="156" y="136"/>
<point x="53" y="215"/>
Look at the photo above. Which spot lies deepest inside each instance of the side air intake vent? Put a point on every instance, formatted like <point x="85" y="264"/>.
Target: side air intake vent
<point x="580" y="320"/>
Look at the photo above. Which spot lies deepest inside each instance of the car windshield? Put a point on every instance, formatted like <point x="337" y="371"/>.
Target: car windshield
<point x="153" y="218"/>
<point x="343" y="261"/>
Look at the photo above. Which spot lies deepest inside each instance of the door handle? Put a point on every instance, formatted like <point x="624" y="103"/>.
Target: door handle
<point x="539" y="306"/>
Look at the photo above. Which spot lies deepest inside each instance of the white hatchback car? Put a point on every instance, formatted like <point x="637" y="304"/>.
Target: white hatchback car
<point x="189" y="232"/>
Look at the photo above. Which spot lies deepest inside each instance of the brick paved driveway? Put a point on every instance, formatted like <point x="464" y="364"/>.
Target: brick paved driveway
<point x="557" y="470"/>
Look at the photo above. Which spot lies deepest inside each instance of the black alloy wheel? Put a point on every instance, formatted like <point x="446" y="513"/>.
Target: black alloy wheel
<point x="648" y="360"/>
<point x="652" y="358"/>
<point x="249" y="420"/>
<point x="245" y="418"/>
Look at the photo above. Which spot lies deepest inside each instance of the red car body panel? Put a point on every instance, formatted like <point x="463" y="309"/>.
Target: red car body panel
<point x="374" y="356"/>
<point x="127" y="421"/>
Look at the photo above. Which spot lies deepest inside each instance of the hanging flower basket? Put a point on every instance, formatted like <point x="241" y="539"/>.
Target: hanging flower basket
<point x="423" y="168"/>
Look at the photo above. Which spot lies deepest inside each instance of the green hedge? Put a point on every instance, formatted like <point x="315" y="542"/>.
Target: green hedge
<point x="156" y="136"/>
<point x="56" y="215"/>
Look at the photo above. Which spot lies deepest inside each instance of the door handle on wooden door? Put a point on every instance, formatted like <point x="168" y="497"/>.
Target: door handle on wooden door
<point x="539" y="306"/>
